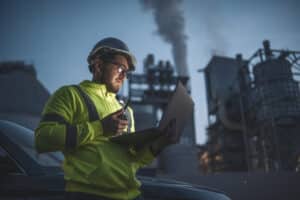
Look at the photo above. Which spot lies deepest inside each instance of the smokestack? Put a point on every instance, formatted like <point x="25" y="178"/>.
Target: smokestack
<point x="170" y="24"/>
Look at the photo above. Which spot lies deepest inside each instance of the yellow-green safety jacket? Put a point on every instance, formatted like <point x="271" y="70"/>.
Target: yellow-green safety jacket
<point x="92" y="163"/>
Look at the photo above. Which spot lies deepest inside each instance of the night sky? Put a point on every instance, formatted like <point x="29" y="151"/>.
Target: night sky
<point x="57" y="35"/>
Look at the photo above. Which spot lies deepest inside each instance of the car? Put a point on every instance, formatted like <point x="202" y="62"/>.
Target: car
<point x="26" y="174"/>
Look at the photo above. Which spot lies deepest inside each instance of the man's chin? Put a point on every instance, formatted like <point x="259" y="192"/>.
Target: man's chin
<point x="114" y="89"/>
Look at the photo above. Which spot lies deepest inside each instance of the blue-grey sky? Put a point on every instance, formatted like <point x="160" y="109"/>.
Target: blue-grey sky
<point x="57" y="35"/>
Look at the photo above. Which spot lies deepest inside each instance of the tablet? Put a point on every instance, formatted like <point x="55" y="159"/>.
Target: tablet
<point x="180" y="107"/>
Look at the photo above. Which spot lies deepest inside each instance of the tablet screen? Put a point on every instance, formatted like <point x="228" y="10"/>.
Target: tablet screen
<point x="180" y="108"/>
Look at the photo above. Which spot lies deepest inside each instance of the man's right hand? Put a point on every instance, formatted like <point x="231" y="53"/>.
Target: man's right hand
<point x="113" y="124"/>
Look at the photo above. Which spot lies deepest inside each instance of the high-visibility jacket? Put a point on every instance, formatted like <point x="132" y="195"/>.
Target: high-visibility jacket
<point x="92" y="163"/>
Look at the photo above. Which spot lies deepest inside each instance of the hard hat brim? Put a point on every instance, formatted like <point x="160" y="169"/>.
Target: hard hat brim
<point x="132" y="58"/>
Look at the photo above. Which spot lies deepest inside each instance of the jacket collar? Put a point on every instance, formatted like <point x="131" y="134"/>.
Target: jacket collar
<point x="98" y="88"/>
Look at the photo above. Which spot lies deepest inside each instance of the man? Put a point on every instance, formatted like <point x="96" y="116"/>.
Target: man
<point x="79" y="120"/>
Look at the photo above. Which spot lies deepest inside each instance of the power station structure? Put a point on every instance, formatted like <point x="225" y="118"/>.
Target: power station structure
<point x="253" y="112"/>
<point x="153" y="88"/>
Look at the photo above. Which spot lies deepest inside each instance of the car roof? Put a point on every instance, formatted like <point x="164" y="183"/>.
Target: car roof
<point x="18" y="141"/>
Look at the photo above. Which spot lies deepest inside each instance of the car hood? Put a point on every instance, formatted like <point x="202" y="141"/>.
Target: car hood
<point x="168" y="189"/>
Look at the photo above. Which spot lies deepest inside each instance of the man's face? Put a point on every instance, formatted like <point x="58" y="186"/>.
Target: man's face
<point x="114" y="73"/>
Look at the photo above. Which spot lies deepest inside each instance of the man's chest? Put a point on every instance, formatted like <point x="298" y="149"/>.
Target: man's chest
<point x="106" y="106"/>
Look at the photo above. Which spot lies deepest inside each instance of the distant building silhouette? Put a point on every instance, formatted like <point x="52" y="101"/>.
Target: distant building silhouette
<point x="22" y="94"/>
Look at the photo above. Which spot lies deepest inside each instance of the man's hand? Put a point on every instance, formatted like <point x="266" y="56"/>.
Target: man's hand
<point x="168" y="137"/>
<point x="113" y="124"/>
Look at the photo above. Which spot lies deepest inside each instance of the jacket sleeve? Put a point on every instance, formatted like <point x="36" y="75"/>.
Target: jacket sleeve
<point x="142" y="156"/>
<point x="57" y="130"/>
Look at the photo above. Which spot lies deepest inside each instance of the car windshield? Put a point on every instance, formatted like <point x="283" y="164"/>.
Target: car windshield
<point x="24" y="138"/>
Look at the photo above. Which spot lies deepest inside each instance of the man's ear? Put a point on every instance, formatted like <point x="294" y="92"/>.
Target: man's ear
<point x="97" y="65"/>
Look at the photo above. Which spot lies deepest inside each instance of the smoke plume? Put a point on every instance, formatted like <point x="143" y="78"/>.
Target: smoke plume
<point x="170" y="21"/>
<point x="213" y="24"/>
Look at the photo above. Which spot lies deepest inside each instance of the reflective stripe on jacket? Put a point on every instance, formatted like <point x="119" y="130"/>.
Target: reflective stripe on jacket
<point x="92" y="163"/>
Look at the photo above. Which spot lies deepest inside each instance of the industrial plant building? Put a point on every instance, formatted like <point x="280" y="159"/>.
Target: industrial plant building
<point x="253" y="111"/>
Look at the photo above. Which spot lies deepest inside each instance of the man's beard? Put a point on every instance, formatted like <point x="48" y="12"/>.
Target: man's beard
<point x="112" y="88"/>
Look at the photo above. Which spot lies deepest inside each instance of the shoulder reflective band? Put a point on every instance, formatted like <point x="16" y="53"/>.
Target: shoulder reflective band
<point x="52" y="117"/>
<point x="93" y="115"/>
<point x="71" y="131"/>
